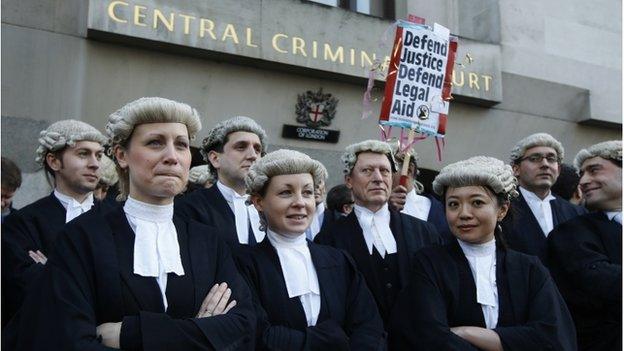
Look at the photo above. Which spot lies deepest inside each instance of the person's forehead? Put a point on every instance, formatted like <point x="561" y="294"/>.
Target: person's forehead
<point x="372" y="158"/>
<point x="299" y="179"/>
<point x="593" y="161"/>
<point x="161" y="128"/>
<point x="87" y="144"/>
<point x="244" y="136"/>
<point x="467" y="191"/>
<point x="540" y="150"/>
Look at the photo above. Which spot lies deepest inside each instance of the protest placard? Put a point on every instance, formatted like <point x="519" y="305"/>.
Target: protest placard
<point x="416" y="95"/>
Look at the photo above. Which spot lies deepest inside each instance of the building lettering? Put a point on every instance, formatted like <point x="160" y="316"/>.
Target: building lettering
<point x="158" y="19"/>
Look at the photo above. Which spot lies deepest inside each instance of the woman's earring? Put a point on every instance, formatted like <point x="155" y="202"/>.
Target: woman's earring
<point x="499" y="227"/>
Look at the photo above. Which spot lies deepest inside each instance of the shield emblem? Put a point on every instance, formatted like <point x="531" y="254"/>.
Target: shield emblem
<point x="316" y="112"/>
<point x="315" y="109"/>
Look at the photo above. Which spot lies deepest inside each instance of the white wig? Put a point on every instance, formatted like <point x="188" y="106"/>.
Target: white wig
<point x="477" y="171"/>
<point x="533" y="140"/>
<point x="217" y="135"/>
<point x="200" y="175"/>
<point x="282" y="162"/>
<point x="65" y="133"/>
<point x="108" y="173"/>
<point x="609" y="150"/>
<point x="349" y="158"/>
<point x="122" y="122"/>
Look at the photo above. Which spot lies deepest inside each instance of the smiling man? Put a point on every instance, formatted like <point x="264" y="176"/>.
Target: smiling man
<point x="535" y="161"/>
<point x="230" y="149"/>
<point x="382" y="241"/>
<point x="586" y="252"/>
<point x="70" y="152"/>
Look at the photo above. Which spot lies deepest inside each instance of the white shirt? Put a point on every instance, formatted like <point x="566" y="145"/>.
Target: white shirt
<point x="376" y="229"/>
<point x="317" y="222"/>
<point x="417" y="205"/>
<point x="243" y="214"/>
<point x="73" y="208"/>
<point x="299" y="272"/>
<point x="540" y="208"/>
<point x="482" y="261"/>
<point x="156" y="247"/>
<point x="615" y="216"/>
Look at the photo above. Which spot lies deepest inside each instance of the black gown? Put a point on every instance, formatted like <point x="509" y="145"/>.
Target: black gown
<point x="348" y="318"/>
<point x="442" y="294"/>
<point x="208" y="206"/>
<point x="384" y="277"/>
<point x="34" y="227"/>
<point x="437" y="217"/>
<point x="524" y="234"/>
<point x="329" y="217"/>
<point x="89" y="280"/>
<point x="586" y="263"/>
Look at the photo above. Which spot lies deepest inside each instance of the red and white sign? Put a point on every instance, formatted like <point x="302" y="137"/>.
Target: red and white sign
<point x="418" y="82"/>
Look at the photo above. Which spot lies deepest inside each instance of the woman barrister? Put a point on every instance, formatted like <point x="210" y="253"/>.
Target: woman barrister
<point x="137" y="277"/>
<point x="307" y="296"/>
<point x="473" y="293"/>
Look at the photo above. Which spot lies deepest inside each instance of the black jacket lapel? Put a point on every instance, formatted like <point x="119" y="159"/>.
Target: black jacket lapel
<point x="557" y="211"/>
<point x="291" y="312"/>
<point x="190" y="239"/>
<point x="324" y="271"/>
<point x="527" y="215"/>
<point x="610" y="233"/>
<point x="144" y="289"/>
<point x="214" y="196"/>
<point x="506" y="311"/>
<point x="469" y="309"/>
<point x="404" y="245"/>
<point x="353" y="239"/>
<point x="52" y="220"/>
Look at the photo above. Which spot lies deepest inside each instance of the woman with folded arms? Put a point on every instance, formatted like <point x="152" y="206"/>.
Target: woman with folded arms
<point x="137" y="277"/>
<point x="474" y="294"/>
<point x="307" y="296"/>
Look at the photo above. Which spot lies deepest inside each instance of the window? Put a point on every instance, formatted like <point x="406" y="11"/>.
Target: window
<point x="327" y="2"/>
<point x="377" y="8"/>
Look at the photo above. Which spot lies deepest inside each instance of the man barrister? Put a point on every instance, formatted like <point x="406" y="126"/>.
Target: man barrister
<point x="586" y="251"/>
<point x="70" y="151"/>
<point x="382" y="241"/>
<point x="230" y="148"/>
<point x="536" y="160"/>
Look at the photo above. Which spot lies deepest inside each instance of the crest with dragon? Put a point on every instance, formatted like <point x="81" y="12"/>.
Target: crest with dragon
<point x="315" y="109"/>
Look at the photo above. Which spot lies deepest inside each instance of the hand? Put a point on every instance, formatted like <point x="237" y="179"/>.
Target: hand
<point x="459" y="331"/>
<point x="38" y="257"/>
<point x="398" y="197"/>
<point x="216" y="302"/>
<point x="482" y="338"/>
<point x="110" y="334"/>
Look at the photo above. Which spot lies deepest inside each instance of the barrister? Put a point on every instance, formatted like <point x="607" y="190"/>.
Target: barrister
<point x="70" y="152"/>
<point x="382" y="241"/>
<point x="307" y="296"/>
<point x="586" y="252"/>
<point x="473" y="293"/>
<point x="536" y="161"/>
<point x="138" y="277"/>
<point x="230" y="148"/>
